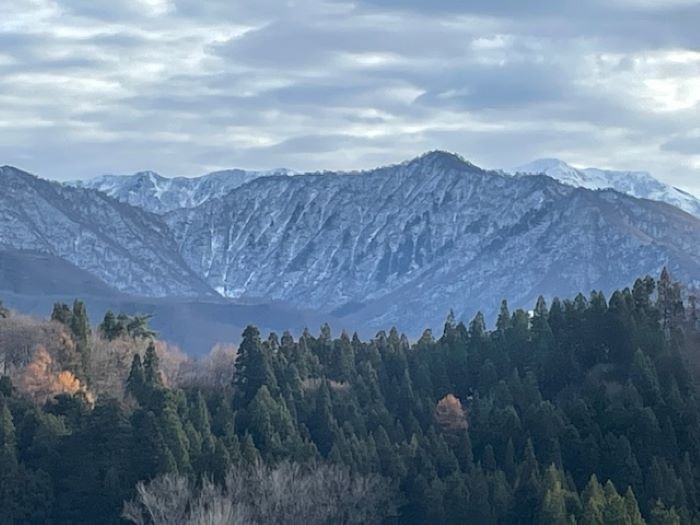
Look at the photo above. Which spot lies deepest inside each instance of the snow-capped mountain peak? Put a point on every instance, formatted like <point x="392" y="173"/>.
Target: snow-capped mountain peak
<point x="158" y="194"/>
<point x="639" y="184"/>
<point x="557" y="169"/>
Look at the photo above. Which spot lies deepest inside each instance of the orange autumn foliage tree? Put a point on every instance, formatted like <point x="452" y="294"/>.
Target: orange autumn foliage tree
<point x="36" y="376"/>
<point x="66" y="382"/>
<point x="450" y="415"/>
<point x="39" y="381"/>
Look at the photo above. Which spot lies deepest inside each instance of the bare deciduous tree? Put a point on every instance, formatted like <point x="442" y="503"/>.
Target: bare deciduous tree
<point x="21" y="335"/>
<point x="213" y="371"/>
<point x="110" y="362"/>
<point x="164" y="500"/>
<point x="313" y="494"/>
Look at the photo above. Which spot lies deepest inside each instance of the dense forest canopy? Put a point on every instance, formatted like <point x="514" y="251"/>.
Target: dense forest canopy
<point x="582" y="411"/>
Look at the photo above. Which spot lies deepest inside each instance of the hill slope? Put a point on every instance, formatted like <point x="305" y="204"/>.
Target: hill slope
<point x="127" y="248"/>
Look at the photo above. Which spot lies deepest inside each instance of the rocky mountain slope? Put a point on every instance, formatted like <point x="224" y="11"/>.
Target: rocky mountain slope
<point x="127" y="248"/>
<point x="402" y="244"/>
<point x="635" y="183"/>
<point x="159" y="194"/>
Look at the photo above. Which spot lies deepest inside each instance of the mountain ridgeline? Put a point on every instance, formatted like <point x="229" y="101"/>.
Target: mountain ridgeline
<point x="130" y="249"/>
<point x="395" y="245"/>
<point x="584" y="411"/>
<point x="159" y="194"/>
<point x="392" y="246"/>
<point x="635" y="183"/>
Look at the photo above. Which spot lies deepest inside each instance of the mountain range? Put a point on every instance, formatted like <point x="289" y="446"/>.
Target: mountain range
<point x="398" y="245"/>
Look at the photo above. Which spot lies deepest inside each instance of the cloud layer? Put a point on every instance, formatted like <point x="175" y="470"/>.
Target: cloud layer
<point x="186" y="86"/>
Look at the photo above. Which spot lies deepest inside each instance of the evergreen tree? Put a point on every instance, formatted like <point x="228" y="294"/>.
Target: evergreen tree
<point x="253" y="368"/>
<point x="62" y="313"/>
<point x="504" y="320"/>
<point x="7" y="427"/>
<point x="151" y="367"/>
<point x="322" y="424"/>
<point x="343" y="359"/>
<point x="634" y="516"/>
<point x="593" y="503"/>
<point x="528" y="488"/>
<point x="553" y="509"/>
<point x="136" y="382"/>
<point x="80" y="328"/>
<point x="660" y="515"/>
<point x="110" y="328"/>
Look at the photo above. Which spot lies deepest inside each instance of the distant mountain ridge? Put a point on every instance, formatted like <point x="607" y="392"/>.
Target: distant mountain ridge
<point x="635" y="183"/>
<point x="127" y="248"/>
<point x="400" y="244"/>
<point x="158" y="194"/>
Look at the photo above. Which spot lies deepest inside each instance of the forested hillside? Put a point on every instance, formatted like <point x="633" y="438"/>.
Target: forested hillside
<point x="582" y="411"/>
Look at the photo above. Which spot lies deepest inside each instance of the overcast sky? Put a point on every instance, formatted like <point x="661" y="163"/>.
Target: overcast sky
<point x="183" y="87"/>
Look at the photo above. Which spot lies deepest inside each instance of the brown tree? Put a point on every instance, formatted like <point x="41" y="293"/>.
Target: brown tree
<point x="450" y="415"/>
<point x="39" y="381"/>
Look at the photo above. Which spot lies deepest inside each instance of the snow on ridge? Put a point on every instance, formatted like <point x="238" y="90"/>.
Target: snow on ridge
<point x="159" y="194"/>
<point x="640" y="184"/>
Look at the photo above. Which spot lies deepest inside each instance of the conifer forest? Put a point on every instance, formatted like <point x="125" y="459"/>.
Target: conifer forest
<point x="580" y="411"/>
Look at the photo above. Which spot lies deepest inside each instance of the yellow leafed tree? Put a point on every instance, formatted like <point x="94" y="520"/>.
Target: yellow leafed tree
<point x="40" y="382"/>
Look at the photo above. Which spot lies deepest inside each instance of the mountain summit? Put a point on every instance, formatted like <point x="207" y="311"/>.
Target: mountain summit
<point x="443" y="159"/>
<point x="635" y="183"/>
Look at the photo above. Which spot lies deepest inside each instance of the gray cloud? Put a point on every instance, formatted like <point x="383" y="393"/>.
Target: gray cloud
<point x="686" y="144"/>
<point x="184" y="86"/>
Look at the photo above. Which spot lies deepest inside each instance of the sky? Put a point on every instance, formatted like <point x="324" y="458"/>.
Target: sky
<point x="184" y="87"/>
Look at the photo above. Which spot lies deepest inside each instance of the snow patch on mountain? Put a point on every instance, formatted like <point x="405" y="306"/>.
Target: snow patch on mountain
<point x="150" y="191"/>
<point x="638" y="184"/>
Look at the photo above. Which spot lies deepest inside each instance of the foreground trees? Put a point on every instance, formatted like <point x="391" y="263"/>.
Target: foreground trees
<point x="584" y="411"/>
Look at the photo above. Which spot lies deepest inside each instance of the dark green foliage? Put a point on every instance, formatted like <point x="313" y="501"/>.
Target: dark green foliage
<point x="123" y="325"/>
<point x="151" y="367"/>
<point x="136" y="382"/>
<point x="253" y="367"/>
<point x="61" y="313"/>
<point x="77" y="322"/>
